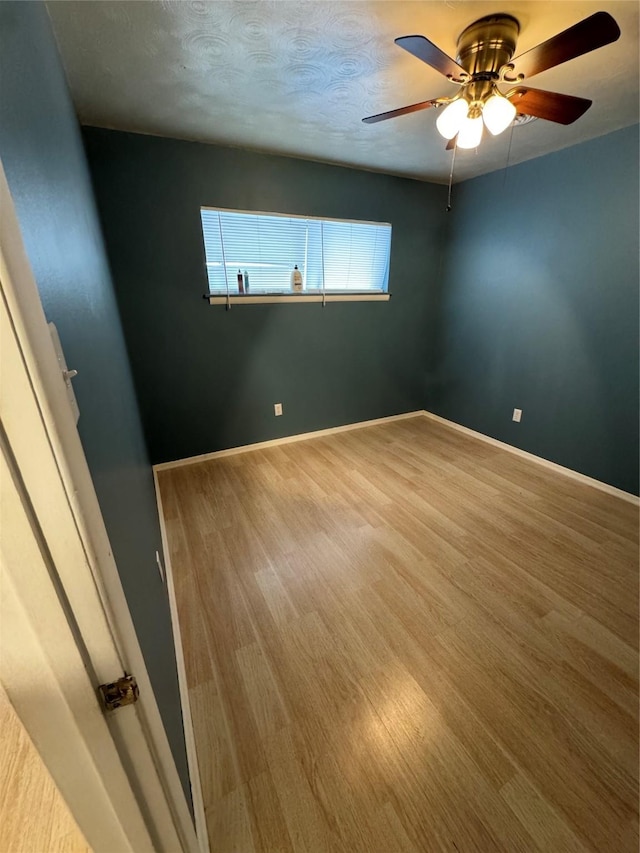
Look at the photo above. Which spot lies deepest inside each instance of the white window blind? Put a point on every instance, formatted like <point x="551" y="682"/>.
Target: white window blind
<point x="332" y="255"/>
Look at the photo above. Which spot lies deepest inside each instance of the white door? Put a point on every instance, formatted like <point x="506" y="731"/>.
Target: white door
<point x="64" y="624"/>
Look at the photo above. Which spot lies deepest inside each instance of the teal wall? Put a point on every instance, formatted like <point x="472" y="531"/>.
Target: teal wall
<point x="43" y="158"/>
<point x="207" y="378"/>
<point x="539" y="308"/>
<point x="525" y="295"/>
<point x="536" y="306"/>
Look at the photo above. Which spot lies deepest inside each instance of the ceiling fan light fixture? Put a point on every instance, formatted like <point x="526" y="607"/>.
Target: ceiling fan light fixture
<point x="470" y="133"/>
<point x="452" y="118"/>
<point x="498" y="113"/>
<point x="485" y="57"/>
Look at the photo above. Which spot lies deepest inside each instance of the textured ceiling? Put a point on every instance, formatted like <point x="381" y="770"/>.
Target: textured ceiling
<point x="296" y="78"/>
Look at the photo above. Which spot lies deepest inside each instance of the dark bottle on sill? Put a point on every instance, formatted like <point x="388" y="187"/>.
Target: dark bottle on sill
<point x="240" y="283"/>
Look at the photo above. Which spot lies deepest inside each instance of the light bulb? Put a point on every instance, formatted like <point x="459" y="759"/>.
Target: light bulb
<point x="470" y="133"/>
<point x="452" y="117"/>
<point x="498" y="113"/>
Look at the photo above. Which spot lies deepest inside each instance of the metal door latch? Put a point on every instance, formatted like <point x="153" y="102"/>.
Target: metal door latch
<point x="122" y="692"/>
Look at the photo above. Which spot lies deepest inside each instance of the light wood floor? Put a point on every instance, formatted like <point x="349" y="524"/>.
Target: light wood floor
<point x="403" y="639"/>
<point x="33" y="816"/>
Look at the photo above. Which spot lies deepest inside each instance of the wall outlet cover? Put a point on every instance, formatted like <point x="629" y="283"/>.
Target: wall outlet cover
<point x="517" y="415"/>
<point x="277" y="409"/>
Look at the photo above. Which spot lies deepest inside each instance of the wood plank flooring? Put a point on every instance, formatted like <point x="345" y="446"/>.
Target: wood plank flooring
<point x="33" y="816"/>
<point x="400" y="638"/>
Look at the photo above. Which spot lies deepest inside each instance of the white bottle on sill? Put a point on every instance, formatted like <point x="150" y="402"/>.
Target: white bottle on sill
<point x="296" y="280"/>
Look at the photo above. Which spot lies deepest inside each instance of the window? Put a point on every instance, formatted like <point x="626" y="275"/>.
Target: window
<point x="333" y="256"/>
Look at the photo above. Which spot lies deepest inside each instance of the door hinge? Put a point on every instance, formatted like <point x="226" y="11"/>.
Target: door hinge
<point x="122" y="692"/>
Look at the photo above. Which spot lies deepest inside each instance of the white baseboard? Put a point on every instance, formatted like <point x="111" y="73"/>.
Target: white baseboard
<point x="546" y="463"/>
<point x="187" y="722"/>
<point x="303" y="436"/>
<point x="287" y="439"/>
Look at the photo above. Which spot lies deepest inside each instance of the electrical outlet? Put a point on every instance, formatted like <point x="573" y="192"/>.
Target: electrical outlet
<point x="517" y="415"/>
<point x="277" y="409"/>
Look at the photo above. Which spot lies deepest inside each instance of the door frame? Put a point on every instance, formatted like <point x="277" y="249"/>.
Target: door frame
<point x="49" y="487"/>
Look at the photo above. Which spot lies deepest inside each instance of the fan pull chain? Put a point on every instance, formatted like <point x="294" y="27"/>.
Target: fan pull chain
<point x="504" y="174"/>
<point x="453" y="162"/>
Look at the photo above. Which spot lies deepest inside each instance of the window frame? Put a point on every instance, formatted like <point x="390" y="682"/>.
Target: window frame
<point x="314" y="295"/>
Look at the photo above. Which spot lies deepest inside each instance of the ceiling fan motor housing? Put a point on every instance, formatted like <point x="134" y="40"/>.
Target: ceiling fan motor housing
<point x="483" y="48"/>
<point x="488" y="44"/>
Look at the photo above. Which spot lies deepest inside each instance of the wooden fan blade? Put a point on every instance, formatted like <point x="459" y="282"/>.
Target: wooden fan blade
<point x="425" y="50"/>
<point x="583" y="37"/>
<point x="401" y="111"/>
<point x="563" y="109"/>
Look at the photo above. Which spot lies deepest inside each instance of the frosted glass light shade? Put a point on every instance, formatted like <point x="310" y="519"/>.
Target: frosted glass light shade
<point x="451" y="118"/>
<point x="470" y="133"/>
<point x="498" y="113"/>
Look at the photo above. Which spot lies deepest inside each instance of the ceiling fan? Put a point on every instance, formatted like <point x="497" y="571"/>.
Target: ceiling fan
<point x="484" y="60"/>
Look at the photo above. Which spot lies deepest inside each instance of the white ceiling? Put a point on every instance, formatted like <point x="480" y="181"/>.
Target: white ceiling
<point x="297" y="76"/>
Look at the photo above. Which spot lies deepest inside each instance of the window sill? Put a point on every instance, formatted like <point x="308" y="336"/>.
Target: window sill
<point x="273" y="298"/>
